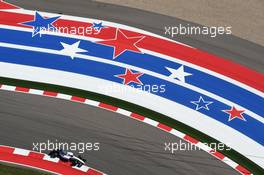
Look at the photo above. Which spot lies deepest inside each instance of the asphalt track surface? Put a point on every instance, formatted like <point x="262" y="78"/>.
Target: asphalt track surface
<point x="126" y="146"/>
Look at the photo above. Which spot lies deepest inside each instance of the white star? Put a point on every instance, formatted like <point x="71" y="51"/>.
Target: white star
<point x="178" y="73"/>
<point x="72" y="49"/>
<point x="201" y="103"/>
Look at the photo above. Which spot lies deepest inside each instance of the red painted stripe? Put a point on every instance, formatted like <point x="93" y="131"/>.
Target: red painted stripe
<point x="4" y="5"/>
<point x="217" y="154"/>
<point x="22" y="89"/>
<point x="93" y="172"/>
<point x="243" y="170"/>
<point x="164" y="127"/>
<point x="194" y="56"/>
<point x="191" y="139"/>
<point x="4" y="149"/>
<point x="36" y="155"/>
<point x="137" y="116"/>
<point x="78" y="99"/>
<point x="64" y="163"/>
<point x="109" y="107"/>
<point x="48" y="93"/>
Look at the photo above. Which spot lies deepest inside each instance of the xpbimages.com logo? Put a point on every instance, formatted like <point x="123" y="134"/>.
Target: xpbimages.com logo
<point x="80" y="147"/>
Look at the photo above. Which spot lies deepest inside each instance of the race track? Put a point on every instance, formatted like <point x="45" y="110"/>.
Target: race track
<point x="126" y="146"/>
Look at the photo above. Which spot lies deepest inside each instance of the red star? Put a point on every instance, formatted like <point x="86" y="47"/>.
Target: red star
<point x="234" y="113"/>
<point x="122" y="43"/>
<point x="129" y="77"/>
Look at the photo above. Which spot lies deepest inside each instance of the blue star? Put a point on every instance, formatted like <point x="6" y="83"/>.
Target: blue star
<point x="39" y="23"/>
<point x="201" y="104"/>
<point x="98" y="26"/>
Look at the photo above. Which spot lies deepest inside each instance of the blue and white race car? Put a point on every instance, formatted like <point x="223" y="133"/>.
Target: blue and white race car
<point x="67" y="157"/>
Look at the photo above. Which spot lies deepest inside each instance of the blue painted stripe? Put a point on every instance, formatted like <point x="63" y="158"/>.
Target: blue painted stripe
<point x="199" y="79"/>
<point x="251" y="128"/>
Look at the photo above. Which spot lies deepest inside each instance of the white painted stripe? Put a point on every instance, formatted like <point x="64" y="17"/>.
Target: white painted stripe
<point x="92" y="102"/>
<point x="151" y="73"/>
<point x="230" y="162"/>
<point x="203" y="147"/>
<point x="150" y="122"/>
<point x="48" y="158"/>
<point x="8" y="88"/>
<point x="22" y="152"/>
<point x="36" y="92"/>
<point x="64" y="96"/>
<point x="83" y="168"/>
<point x="196" y="120"/>
<point x="124" y="112"/>
<point x="177" y="133"/>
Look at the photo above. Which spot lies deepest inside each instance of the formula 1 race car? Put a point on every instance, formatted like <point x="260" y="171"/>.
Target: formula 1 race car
<point x="67" y="157"/>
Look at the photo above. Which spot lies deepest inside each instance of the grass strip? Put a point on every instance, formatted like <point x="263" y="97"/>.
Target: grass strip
<point x="6" y="169"/>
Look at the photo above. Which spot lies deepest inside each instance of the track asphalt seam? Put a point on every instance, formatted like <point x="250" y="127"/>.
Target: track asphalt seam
<point x="132" y="115"/>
